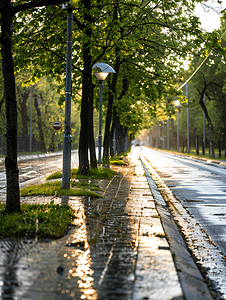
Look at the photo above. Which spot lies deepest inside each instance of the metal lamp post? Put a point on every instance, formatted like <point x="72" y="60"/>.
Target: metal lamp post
<point x="163" y="134"/>
<point x="204" y="128"/>
<point x="101" y="76"/>
<point x="167" y="134"/>
<point x="177" y="103"/>
<point x="188" y="145"/>
<point x="68" y="91"/>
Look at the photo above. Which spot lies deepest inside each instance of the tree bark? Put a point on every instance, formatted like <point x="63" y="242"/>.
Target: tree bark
<point x="111" y="97"/>
<point x="51" y="145"/>
<point x="114" y="122"/>
<point x="86" y="97"/>
<point x="93" y="159"/>
<point x="23" y="97"/>
<point x="113" y="130"/>
<point x="209" y="123"/>
<point x="84" y="116"/>
<point x="12" y="172"/>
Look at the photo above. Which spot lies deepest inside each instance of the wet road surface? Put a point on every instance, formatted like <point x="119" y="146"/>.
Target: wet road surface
<point x="33" y="168"/>
<point x="201" y="189"/>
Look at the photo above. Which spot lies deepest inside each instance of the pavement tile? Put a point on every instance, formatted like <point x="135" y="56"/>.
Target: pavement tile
<point x="126" y="254"/>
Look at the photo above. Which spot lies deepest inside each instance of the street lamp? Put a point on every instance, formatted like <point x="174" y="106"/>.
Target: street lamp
<point x="204" y="128"/>
<point x="177" y="103"/>
<point x="159" y="143"/>
<point x="188" y="145"/>
<point x="167" y="134"/>
<point x="69" y="6"/>
<point x="101" y="76"/>
<point x="163" y="134"/>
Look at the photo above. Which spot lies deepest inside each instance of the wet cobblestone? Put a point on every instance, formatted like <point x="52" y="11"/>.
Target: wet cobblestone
<point x="117" y="250"/>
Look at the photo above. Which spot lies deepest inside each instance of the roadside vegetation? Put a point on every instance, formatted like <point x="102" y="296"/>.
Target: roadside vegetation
<point x="54" y="188"/>
<point x="118" y="160"/>
<point x="97" y="173"/>
<point x="37" y="221"/>
<point x="44" y="221"/>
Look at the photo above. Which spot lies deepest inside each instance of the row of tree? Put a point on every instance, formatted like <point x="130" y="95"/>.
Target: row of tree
<point x="144" y="41"/>
<point x="206" y="101"/>
<point x="38" y="107"/>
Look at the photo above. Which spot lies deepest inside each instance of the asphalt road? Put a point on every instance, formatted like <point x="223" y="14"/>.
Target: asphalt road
<point x="33" y="168"/>
<point x="201" y="189"/>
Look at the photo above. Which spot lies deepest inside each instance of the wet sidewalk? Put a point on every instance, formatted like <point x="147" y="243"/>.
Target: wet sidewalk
<point x="123" y="246"/>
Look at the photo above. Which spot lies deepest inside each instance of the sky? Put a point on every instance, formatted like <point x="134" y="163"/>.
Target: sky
<point x="208" y="12"/>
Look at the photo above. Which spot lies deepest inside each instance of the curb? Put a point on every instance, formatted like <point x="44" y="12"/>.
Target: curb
<point x="31" y="157"/>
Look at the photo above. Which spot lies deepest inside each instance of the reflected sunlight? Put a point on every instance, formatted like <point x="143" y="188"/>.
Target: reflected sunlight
<point x="82" y="269"/>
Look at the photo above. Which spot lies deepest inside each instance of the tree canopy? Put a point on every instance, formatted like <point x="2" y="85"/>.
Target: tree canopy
<point x="145" y="40"/>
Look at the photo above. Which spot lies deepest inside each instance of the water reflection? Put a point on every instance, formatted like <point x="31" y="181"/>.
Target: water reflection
<point x="97" y="259"/>
<point x="82" y="270"/>
<point x="11" y="252"/>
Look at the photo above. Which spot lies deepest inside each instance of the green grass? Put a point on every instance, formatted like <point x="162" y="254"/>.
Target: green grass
<point x="117" y="160"/>
<point x="99" y="173"/>
<point x="91" y="186"/>
<point x="37" y="220"/>
<point x="54" y="188"/>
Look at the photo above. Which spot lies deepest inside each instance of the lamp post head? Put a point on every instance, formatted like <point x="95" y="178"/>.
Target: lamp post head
<point x="100" y="75"/>
<point x="105" y="70"/>
<point x="177" y="103"/>
<point x="71" y="4"/>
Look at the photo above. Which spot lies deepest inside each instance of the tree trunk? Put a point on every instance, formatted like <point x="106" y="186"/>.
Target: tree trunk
<point x="52" y="146"/>
<point x="86" y="94"/>
<point x="113" y="133"/>
<point x="12" y="172"/>
<point x="211" y="145"/>
<point x="120" y="137"/>
<point x="111" y="97"/>
<point x="210" y="125"/>
<point x="93" y="159"/>
<point x="41" y="135"/>
<point x="83" y="139"/>
<point x="22" y="96"/>
<point x="114" y="124"/>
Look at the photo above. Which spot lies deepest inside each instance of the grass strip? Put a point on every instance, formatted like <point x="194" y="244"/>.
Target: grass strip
<point x="37" y="220"/>
<point x="54" y="188"/>
<point x="98" y="173"/>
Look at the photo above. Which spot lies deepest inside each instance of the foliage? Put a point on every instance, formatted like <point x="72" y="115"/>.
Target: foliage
<point x="149" y="35"/>
<point x="117" y="160"/>
<point x="46" y="98"/>
<point x="37" y="220"/>
<point x="54" y="188"/>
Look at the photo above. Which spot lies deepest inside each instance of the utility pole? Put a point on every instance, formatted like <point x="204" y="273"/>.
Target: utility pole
<point x="168" y="134"/>
<point x="68" y="91"/>
<point x="188" y="145"/>
<point x="163" y="134"/>
<point x="204" y="127"/>
<point x="31" y="96"/>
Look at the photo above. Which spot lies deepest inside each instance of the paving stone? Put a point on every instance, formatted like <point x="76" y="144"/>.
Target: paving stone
<point x="126" y="254"/>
